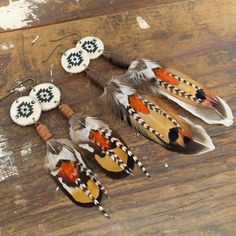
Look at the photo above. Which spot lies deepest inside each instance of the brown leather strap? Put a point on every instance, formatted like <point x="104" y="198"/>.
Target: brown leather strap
<point x="66" y="111"/>
<point x="43" y="132"/>
<point x="117" y="59"/>
<point x="96" y="77"/>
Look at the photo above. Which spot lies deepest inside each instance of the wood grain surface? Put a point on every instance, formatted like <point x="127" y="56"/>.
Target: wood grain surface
<point x="188" y="195"/>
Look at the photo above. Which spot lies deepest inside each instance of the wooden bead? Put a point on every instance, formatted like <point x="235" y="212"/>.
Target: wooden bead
<point x="66" y="111"/>
<point x="43" y="132"/>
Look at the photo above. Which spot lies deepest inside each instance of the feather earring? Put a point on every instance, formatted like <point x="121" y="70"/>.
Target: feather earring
<point x="64" y="162"/>
<point x="69" y="171"/>
<point x="102" y="144"/>
<point x="177" y="87"/>
<point x="152" y="117"/>
<point x="105" y="145"/>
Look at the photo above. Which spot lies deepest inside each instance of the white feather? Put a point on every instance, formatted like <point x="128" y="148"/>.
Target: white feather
<point x="200" y="136"/>
<point x="80" y="134"/>
<point x="141" y="70"/>
<point x="122" y="99"/>
<point x="86" y="147"/>
<point x="94" y="123"/>
<point x="229" y="115"/>
<point x="53" y="159"/>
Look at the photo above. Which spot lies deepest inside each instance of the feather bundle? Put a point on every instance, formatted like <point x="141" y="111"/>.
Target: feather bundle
<point x="68" y="169"/>
<point x="181" y="89"/>
<point x="152" y="117"/>
<point x="104" y="145"/>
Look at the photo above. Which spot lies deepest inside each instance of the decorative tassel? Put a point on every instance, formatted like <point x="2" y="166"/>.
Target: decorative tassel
<point x="70" y="172"/>
<point x="105" y="146"/>
<point x="152" y="117"/>
<point x="181" y="89"/>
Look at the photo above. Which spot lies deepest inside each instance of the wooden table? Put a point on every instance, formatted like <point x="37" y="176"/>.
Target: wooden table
<point x="188" y="195"/>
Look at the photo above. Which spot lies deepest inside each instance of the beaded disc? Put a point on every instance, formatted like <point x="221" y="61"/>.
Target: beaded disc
<point x="47" y="94"/>
<point x="25" y="111"/>
<point x="94" y="46"/>
<point x="75" y="60"/>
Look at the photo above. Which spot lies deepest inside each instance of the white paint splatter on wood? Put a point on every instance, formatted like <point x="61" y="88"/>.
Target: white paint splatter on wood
<point x="7" y="162"/>
<point x="6" y="46"/>
<point x="142" y="23"/>
<point x="26" y="150"/>
<point x="18" y="14"/>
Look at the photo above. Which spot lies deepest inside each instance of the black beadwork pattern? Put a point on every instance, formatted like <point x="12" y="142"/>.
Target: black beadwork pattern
<point x="74" y="59"/>
<point x="90" y="46"/>
<point x="45" y="95"/>
<point x="25" y="109"/>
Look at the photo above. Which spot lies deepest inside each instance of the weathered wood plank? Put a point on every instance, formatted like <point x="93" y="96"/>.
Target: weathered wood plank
<point x="32" y="13"/>
<point x="193" y="196"/>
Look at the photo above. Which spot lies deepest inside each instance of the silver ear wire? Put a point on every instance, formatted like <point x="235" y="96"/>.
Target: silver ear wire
<point x="10" y="93"/>
<point x="53" y="51"/>
<point x="23" y="82"/>
<point x="66" y="36"/>
<point x="14" y="89"/>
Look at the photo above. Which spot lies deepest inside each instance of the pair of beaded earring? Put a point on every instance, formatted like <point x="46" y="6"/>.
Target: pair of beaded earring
<point x="149" y="115"/>
<point x="77" y="59"/>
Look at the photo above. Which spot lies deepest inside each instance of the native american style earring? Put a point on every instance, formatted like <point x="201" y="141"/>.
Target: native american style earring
<point x="64" y="160"/>
<point x="92" y="45"/>
<point x="176" y="86"/>
<point x="102" y="143"/>
<point x="73" y="60"/>
<point x="152" y="117"/>
<point x="77" y="59"/>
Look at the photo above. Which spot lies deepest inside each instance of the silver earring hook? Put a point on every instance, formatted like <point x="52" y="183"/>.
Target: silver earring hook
<point x="53" y="51"/>
<point x="23" y="82"/>
<point x="10" y="93"/>
<point x="66" y="36"/>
